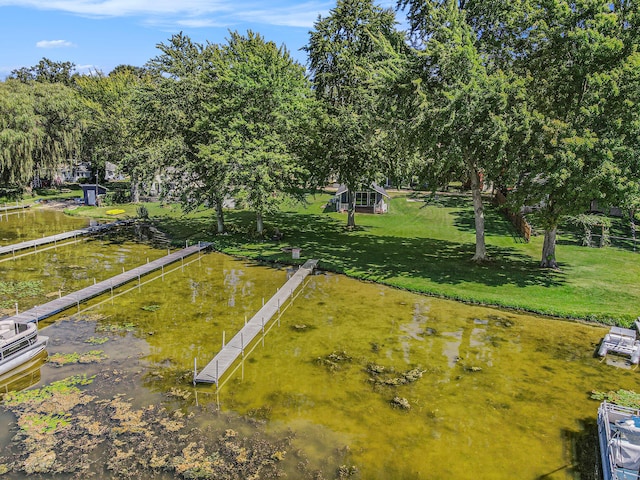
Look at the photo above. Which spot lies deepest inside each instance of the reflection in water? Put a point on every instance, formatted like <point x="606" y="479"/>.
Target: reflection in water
<point x="24" y="376"/>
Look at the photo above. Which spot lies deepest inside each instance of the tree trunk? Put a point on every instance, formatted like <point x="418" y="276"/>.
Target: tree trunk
<point x="549" y="249"/>
<point x="259" y="224"/>
<point x="135" y="190"/>
<point x="220" y="216"/>
<point x="351" y="211"/>
<point x="478" y="213"/>
<point x="632" y="222"/>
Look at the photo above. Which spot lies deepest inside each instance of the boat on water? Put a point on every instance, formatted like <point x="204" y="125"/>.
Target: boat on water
<point x="621" y="341"/>
<point x="619" y="437"/>
<point x="19" y="343"/>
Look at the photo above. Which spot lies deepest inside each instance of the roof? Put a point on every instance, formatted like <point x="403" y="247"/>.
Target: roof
<point x="374" y="186"/>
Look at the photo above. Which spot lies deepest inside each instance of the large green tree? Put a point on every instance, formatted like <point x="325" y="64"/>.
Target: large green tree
<point x="465" y="109"/>
<point x="583" y="68"/>
<point x="41" y="126"/>
<point x="348" y="53"/>
<point x="261" y="97"/>
<point x="185" y="71"/>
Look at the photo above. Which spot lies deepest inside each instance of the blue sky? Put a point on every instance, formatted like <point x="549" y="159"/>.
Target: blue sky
<point x="101" y="34"/>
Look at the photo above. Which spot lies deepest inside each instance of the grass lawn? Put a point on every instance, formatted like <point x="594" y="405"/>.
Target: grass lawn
<point x="425" y="245"/>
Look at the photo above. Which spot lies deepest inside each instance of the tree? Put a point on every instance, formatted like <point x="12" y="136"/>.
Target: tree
<point x="466" y="110"/>
<point x="41" y="128"/>
<point x="184" y="70"/>
<point x="251" y="128"/>
<point x="582" y="62"/>
<point x="46" y="71"/>
<point x="120" y="130"/>
<point x="346" y="51"/>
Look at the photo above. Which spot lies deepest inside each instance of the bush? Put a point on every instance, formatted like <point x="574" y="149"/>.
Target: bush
<point x="143" y="212"/>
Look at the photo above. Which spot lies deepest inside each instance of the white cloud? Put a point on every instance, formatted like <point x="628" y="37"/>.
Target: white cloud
<point x="54" y="44"/>
<point x="191" y="13"/>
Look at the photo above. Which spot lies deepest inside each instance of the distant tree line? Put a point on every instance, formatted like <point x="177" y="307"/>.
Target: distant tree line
<point x="540" y="98"/>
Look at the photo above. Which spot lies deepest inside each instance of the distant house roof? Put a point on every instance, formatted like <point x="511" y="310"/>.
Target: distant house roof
<point x="374" y="186"/>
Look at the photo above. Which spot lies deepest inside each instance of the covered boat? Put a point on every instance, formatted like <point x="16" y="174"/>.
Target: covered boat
<point x="619" y="436"/>
<point x="19" y="343"/>
<point x="621" y="341"/>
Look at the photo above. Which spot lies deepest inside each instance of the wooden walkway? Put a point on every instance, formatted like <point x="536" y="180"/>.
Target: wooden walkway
<point x="74" y="299"/>
<point x="8" y="208"/>
<point x="59" y="237"/>
<point x="232" y="350"/>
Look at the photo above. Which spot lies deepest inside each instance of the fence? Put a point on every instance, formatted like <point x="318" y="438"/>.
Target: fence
<point x="518" y="220"/>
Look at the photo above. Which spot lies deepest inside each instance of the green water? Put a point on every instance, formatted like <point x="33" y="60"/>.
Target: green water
<point x="16" y="227"/>
<point x="501" y="395"/>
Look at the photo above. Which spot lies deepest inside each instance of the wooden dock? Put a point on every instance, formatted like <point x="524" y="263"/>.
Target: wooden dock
<point x="236" y="347"/>
<point x="11" y="208"/>
<point x="59" y="237"/>
<point x="74" y="299"/>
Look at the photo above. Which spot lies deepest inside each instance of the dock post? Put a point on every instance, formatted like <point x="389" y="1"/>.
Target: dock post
<point x="94" y="280"/>
<point x="16" y="309"/>
<point x="163" y="273"/>
<point x="78" y="304"/>
<point x="223" y="338"/>
<point x="59" y="293"/>
<point x="245" y="320"/>
<point x="182" y="258"/>
<point x="195" y="370"/>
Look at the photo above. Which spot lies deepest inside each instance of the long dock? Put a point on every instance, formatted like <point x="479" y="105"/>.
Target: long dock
<point x="71" y="300"/>
<point x="232" y="350"/>
<point x="16" y="247"/>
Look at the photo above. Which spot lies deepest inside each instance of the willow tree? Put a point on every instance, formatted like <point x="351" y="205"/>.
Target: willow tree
<point x="41" y="127"/>
<point x="346" y="51"/>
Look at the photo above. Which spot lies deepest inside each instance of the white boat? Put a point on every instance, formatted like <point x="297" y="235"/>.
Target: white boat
<point x="621" y="341"/>
<point x="619" y="436"/>
<point x="19" y="343"/>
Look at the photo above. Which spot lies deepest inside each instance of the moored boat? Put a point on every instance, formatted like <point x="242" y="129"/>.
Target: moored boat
<point x="621" y="341"/>
<point x="19" y="343"/>
<point x="619" y="437"/>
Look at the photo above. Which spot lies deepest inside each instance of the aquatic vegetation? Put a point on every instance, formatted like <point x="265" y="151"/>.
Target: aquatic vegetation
<point x="151" y="308"/>
<point x="65" y="430"/>
<point x="115" y="328"/>
<point x="97" y="340"/>
<point x="17" y="290"/>
<point x="383" y="376"/>
<point x="115" y="211"/>
<point x="334" y="360"/>
<point x="625" y="398"/>
<point x="60" y="359"/>
<point x="400" y="402"/>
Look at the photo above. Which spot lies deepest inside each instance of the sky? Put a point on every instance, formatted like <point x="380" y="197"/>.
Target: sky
<point x="102" y="34"/>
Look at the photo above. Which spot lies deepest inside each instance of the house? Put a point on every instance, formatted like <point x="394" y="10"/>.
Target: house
<point x="90" y="196"/>
<point x="73" y="172"/>
<point x="371" y="200"/>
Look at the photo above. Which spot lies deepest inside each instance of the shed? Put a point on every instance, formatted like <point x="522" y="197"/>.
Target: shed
<point x="91" y="193"/>
<point x="367" y="200"/>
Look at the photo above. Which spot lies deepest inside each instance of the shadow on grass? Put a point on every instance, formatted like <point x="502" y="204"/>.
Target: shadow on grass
<point x="365" y="255"/>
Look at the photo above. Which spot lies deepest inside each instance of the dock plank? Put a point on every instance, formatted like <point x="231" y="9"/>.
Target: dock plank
<point x="230" y="352"/>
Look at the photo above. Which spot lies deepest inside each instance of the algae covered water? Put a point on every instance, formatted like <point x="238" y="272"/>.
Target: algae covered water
<point x="355" y="380"/>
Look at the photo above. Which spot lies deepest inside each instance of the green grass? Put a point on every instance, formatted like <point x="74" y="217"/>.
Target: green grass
<point x="426" y="246"/>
